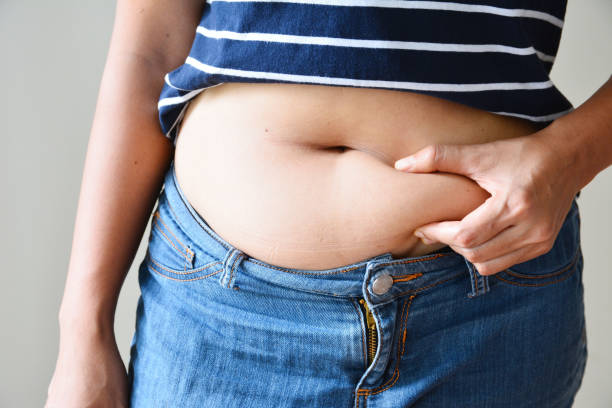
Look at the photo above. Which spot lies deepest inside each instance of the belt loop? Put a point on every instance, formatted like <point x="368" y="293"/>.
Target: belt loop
<point x="480" y="284"/>
<point x="231" y="261"/>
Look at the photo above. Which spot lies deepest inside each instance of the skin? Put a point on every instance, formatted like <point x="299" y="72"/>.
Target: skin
<point x="322" y="191"/>
<point x="126" y="159"/>
<point x="532" y="181"/>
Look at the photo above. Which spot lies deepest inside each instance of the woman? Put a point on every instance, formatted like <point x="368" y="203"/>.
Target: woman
<point x="283" y="266"/>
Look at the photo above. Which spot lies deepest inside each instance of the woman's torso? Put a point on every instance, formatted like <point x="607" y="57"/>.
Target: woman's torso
<point x="302" y="176"/>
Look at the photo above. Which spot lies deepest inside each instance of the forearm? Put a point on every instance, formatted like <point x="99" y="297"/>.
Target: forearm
<point x="126" y="158"/>
<point x="583" y="138"/>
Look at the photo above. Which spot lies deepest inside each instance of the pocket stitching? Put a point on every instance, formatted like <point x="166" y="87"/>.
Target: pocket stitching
<point x="509" y="271"/>
<point x="151" y="266"/>
<point x="177" y="272"/>
<point x="157" y="220"/>
<point x="565" y="270"/>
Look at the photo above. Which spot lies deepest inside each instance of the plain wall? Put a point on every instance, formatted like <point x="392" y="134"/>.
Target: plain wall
<point x="53" y="57"/>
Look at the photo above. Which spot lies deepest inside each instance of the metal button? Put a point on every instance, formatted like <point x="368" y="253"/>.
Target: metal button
<point x="382" y="284"/>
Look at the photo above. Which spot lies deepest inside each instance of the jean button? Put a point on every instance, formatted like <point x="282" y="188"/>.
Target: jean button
<point x="382" y="284"/>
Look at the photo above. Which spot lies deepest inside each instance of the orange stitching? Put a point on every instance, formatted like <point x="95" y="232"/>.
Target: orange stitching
<point x="183" y="273"/>
<point x="367" y="391"/>
<point x="170" y="231"/>
<point x="417" y="260"/>
<point x="404" y="318"/>
<point x="156" y="225"/>
<point x="429" y="286"/>
<point x="547" y="275"/>
<point x="151" y="267"/>
<point x="395" y="375"/>
<point x="405" y="325"/>
<point x="363" y="340"/>
<point x="534" y="285"/>
<point x="409" y="277"/>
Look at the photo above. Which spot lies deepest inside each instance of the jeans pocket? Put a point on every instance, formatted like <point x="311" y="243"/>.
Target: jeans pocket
<point x="171" y="253"/>
<point x="554" y="266"/>
<point x="536" y="279"/>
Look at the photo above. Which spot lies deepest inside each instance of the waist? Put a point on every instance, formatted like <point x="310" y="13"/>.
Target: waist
<point x="301" y="176"/>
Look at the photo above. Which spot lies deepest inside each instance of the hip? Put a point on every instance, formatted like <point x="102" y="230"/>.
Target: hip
<point x="217" y="327"/>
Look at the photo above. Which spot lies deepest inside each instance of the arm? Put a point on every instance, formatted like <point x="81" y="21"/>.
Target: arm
<point x="583" y="138"/>
<point x="126" y="159"/>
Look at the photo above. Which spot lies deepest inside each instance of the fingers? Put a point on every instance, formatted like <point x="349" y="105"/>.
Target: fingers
<point x="506" y="242"/>
<point x="482" y="224"/>
<point x="519" y="255"/>
<point x="459" y="159"/>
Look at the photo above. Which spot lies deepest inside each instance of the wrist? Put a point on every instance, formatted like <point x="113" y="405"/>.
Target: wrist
<point x="568" y="154"/>
<point x="85" y="320"/>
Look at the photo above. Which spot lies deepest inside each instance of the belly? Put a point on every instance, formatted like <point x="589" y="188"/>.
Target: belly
<point x="302" y="176"/>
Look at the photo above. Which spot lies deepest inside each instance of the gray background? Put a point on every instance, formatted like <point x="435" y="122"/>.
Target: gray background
<point x="53" y="55"/>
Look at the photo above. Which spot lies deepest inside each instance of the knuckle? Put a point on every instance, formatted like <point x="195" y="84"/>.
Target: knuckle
<point x="547" y="246"/>
<point x="544" y="233"/>
<point x="522" y="202"/>
<point x="464" y="238"/>
<point x="432" y="153"/>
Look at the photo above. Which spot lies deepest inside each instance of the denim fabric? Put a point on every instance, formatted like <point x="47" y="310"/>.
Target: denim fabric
<point x="218" y="328"/>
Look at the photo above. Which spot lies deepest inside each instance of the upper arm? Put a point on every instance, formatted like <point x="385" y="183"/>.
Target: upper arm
<point x="159" y="31"/>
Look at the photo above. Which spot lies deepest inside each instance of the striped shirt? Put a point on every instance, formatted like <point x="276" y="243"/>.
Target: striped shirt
<point x="489" y="54"/>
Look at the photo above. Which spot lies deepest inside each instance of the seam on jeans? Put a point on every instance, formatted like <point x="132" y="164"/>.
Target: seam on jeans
<point x="561" y="279"/>
<point x="156" y="225"/>
<point x="151" y="267"/>
<point x="185" y="272"/>
<point x="405" y="278"/>
<point x="300" y="272"/>
<point x="474" y="279"/>
<point x="363" y="340"/>
<point x="232" y="270"/>
<point x="394" y="371"/>
<point x="405" y="324"/>
<point x="422" y="288"/>
<point x="395" y="376"/>
<point x="416" y="260"/>
<point x="343" y="270"/>
<point x="190" y="256"/>
<point x="547" y="275"/>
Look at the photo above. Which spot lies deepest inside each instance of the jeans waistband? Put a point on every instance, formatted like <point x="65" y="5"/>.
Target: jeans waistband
<point x="408" y="274"/>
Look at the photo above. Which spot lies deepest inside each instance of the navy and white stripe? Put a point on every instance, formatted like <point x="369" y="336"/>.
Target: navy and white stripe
<point x="495" y="55"/>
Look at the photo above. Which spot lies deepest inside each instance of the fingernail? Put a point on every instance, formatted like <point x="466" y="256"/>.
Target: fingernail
<point x="419" y="234"/>
<point x="404" y="163"/>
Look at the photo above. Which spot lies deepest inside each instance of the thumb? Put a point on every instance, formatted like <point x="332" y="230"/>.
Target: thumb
<point x="440" y="157"/>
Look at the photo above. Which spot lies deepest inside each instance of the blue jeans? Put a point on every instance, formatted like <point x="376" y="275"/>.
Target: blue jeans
<point x="218" y="328"/>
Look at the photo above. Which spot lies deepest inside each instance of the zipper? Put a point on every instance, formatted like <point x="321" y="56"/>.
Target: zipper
<point x="371" y="333"/>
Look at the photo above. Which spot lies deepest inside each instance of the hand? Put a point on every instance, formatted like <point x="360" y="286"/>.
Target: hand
<point x="532" y="188"/>
<point x="89" y="373"/>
